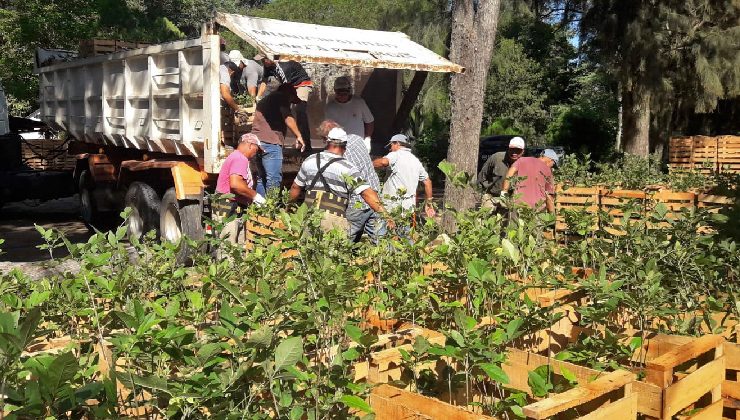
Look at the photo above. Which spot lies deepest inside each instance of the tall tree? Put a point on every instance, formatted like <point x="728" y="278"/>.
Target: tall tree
<point x="667" y="55"/>
<point x="473" y="33"/>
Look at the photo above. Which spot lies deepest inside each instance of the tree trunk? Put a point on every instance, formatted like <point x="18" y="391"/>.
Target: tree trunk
<point x="636" y="121"/>
<point x="473" y="33"/>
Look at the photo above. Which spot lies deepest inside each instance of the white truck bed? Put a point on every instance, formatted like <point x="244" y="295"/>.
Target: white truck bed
<point x="162" y="98"/>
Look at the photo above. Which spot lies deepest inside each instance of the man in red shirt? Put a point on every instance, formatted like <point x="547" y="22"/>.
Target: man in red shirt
<point x="536" y="187"/>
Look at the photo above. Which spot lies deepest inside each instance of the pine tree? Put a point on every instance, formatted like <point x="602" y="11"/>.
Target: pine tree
<point x="669" y="56"/>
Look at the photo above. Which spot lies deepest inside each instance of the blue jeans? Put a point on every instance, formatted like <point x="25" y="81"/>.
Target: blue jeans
<point x="270" y="168"/>
<point x="367" y="221"/>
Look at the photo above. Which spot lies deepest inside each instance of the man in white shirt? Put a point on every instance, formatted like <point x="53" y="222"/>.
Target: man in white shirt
<point x="349" y="111"/>
<point x="406" y="174"/>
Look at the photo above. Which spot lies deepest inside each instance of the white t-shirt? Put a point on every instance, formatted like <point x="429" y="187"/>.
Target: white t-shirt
<point x="351" y="115"/>
<point x="406" y="173"/>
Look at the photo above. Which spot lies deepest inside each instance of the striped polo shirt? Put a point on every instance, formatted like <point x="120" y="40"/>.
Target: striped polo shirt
<point x="342" y="176"/>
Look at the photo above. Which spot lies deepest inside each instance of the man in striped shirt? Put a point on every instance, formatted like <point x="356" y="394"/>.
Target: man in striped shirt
<point x="328" y="180"/>
<point x="360" y="216"/>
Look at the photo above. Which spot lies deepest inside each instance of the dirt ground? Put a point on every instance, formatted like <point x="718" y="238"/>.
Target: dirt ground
<point x="21" y="238"/>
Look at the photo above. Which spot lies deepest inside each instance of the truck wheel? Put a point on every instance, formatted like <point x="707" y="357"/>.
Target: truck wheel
<point x="178" y="218"/>
<point x="144" y="203"/>
<point x="88" y="209"/>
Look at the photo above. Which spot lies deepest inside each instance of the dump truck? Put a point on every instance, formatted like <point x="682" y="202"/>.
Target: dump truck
<point x="148" y="126"/>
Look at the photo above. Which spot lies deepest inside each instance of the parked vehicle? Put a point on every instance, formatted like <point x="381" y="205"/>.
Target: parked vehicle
<point x="149" y="127"/>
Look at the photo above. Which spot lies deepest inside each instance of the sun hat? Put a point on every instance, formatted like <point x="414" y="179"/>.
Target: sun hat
<point x="337" y="136"/>
<point x="549" y="153"/>
<point x="259" y="57"/>
<point x="342" y="83"/>
<point x="516" y="143"/>
<point x="237" y="57"/>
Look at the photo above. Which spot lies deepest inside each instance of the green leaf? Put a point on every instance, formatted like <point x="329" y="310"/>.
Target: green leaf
<point x="510" y="250"/>
<point x="459" y="339"/>
<point x="27" y="327"/>
<point x="354" y="332"/>
<point x="495" y="372"/>
<point x="61" y="370"/>
<point x="512" y="328"/>
<point x="568" y="375"/>
<point x="130" y="380"/>
<point x="539" y="384"/>
<point x="296" y="413"/>
<point x="518" y="411"/>
<point x="356" y="403"/>
<point x="288" y="352"/>
<point x="261" y="337"/>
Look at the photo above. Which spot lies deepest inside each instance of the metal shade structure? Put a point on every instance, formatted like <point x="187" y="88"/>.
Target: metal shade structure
<point x="310" y="43"/>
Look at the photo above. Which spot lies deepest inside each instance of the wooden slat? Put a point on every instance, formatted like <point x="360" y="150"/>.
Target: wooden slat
<point x="418" y="406"/>
<point x="685" y="353"/>
<point x="711" y="412"/>
<point x="688" y="390"/>
<point x="625" y="408"/>
<point x="731" y="389"/>
<point x="649" y="398"/>
<point x="577" y="396"/>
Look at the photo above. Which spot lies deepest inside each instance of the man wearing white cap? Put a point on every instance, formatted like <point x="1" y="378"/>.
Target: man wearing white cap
<point x="492" y="174"/>
<point x="537" y="187"/>
<point x="235" y="178"/>
<point x="406" y="174"/>
<point x="349" y="111"/>
<point x="251" y="76"/>
<point x="328" y="180"/>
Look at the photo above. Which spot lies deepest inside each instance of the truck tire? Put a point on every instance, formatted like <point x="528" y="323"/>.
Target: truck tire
<point x="88" y="208"/>
<point x="178" y="218"/>
<point x="144" y="203"/>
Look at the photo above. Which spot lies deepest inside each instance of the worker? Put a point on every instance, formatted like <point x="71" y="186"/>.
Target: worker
<point x="492" y="174"/>
<point x="222" y="55"/>
<point x="271" y="121"/>
<point x="225" y="72"/>
<point x="328" y="179"/>
<point x="250" y="75"/>
<point x="350" y="111"/>
<point x="407" y="172"/>
<point x="293" y="73"/>
<point x="536" y="187"/>
<point x="361" y="218"/>
<point x="235" y="178"/>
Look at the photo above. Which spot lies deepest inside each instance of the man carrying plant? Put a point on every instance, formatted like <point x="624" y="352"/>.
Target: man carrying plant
<point x="328" y="179"/>
<point x="492" y="174"/>
<point x="292" y="73"/>
<point x="406" y="174"/>
<point x="535" y="187"/>
<point x="251" y="74"/>
<point x="235" y="178"/>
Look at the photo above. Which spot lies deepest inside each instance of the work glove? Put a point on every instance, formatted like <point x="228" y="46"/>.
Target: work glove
<point x="503" y="194"/>
<point x="258" y="200"/>
<point x="241" y="116"/>
<point x="367" y="142"/>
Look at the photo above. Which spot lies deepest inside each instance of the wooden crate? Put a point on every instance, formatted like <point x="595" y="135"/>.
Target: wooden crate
<point x="604" y="398"/>
<point x="728" y="154"/>
<point x="573" y="198"/>
<point x="47" y="155"/>
<point x="731" y="384"/>
<point x="713" y="203"/>
<point x="261" y="228"/>
<point x="93" y="47"/>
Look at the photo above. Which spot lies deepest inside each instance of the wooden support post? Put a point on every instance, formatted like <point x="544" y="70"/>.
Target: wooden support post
<point x="407" y="103"/>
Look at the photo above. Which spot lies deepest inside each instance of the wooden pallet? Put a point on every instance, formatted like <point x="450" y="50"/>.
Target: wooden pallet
<point x="705" y="154"/>
<point x="261" y="228"/>
<point x="731" y="384"/>
<point x="576" y="198"/>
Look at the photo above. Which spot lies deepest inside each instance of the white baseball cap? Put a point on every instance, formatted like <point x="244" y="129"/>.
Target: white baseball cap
<point x="237" y="57"/>
<point x="337" y="135"/>
<point x="516" y="143"/>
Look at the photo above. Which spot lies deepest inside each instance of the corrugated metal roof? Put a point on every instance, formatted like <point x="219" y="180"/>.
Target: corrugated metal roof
<point x="335" y="45"/>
